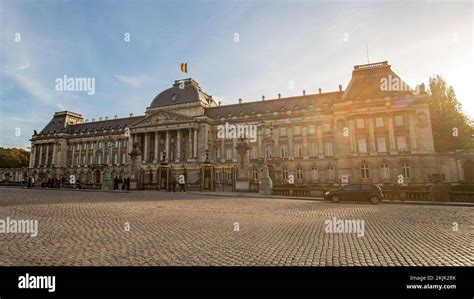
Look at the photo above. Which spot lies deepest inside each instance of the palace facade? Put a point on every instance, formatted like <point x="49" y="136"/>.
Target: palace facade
<point x="364" y="133"/>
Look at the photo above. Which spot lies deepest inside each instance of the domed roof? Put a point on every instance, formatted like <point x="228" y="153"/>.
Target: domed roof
<point x="183" y="91"/>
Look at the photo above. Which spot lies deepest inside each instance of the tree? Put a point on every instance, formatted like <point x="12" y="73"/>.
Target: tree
<point x="13" y="158"/>
<point x="452" y="129"/>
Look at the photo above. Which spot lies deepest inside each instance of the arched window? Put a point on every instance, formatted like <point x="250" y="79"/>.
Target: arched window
<point x="284" y="173"/>
<point x="364" y="171"/>
<point x="406" y="170"/>
<point x="314" y="173"/>
<point x="384" y="171"/>
<point x="330" y="173"/>
<point x="299" y="173"/>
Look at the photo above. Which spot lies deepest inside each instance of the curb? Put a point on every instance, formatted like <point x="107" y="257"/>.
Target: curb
<point x="430" y="203"/>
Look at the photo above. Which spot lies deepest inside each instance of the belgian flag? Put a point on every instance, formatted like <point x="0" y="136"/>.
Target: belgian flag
<point x="184" y="67"/>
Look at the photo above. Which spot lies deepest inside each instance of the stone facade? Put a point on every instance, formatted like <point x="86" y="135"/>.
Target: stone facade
<point x="364" y="132"/>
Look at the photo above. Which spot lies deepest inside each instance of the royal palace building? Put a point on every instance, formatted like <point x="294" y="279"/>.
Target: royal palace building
<point x="376" y="130"/>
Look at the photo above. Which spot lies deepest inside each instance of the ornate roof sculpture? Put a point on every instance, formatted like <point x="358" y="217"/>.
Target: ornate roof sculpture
<point x="183" y="91"/>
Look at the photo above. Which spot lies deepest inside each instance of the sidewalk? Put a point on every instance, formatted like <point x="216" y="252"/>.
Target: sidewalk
<point x="253" y="195"/>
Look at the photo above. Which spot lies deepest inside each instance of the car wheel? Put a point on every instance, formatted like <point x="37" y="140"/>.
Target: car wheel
<point x="335" y="198"/>
<point x="374" y="200"/>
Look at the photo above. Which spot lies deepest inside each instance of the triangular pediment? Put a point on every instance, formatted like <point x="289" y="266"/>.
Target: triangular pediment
<point x="162" y="118"/>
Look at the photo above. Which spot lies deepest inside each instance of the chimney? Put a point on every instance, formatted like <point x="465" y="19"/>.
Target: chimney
<point x="240" y="101"/>
<point x="340" y="87"/>
<point x="279" y="95"/>
<point x="100" y="118"/>
<point x="93" y="120"/>
<point x="116" y="116"/>
<point x="304" y="92"/>
<point x="219" y="103"/>
<point x="87" y="120"/>
<point x="263" y="98"/>
<point x="131" y="114"/>
<point x="320" y="90"/>
<point x="106" y="118"/>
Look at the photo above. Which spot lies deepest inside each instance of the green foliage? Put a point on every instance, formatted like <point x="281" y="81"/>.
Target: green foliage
<point x="13" y="158"/>
<point x="447" y="118"/>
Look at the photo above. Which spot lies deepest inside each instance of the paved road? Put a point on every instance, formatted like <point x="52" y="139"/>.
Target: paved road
<point x="90" y="228"/>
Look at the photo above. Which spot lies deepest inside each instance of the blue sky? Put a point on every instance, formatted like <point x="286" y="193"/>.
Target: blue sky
<point x="279" y="41"/>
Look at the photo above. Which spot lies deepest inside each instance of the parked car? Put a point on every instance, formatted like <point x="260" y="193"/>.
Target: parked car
<point x="356" y="192"/>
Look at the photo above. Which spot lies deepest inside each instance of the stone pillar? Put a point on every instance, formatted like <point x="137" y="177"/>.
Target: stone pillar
<point x="119" y="152"/>
<point x="291" y="150"/>
<point x="190" y="144"/>
<point x="46" y="158"/>
<point x="167" y="145"/>
<point x="352" y="137"/>
<point x="372" y="148"/>
<point x="319" y="133"/>
<point x="145" y="148"/>
<point x="33" y="156"/>
<point x="391" y="134"/>
<point x="195" y="143"/>
<point x="305" y="142"/>
<point x="411" y="127"/>
<point x="260" y="147"/>
<point x="80" y="154"/>
<point x="223" y="151"/>
<point x="234" y="150"/>
<point x="73" y="153"/>
<point x="178" y="145"/>
<point x="55" y="153"/>
<point x="156" y="157"/>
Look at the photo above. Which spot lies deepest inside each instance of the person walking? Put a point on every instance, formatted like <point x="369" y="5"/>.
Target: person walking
<point x="173" y="185"/>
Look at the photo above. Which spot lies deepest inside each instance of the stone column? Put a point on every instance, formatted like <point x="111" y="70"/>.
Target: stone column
<point x="167" y="145"/>
<point x="190" y="144"/>
<point x="391" y="134"/>
<point x="291" y="150"/>
<point x="195" y="143"/>
<point x="46" y="158"/>
<point x="119" y="153"/>
<point x="305" y="142"/>
<point x="55" y="153"/>
<point x="411" y="127"/>
<point x="372" y="136"/>
<point x="156" y="157"/>
<point x="33" y="156"/>
<point x="73" y="152"/>
<point x="145" y="148"/>
<point x="178" y="145"/>
<point x="352" y="137"/>
<point x="260" y="147"/>
<point x="319" y="133"/>
<point x="80" y="154"/>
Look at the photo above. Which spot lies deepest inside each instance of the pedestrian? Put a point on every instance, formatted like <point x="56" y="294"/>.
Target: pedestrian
<point x="173" y="185"/>
<point x="182" y="186"/>
<point x="115" y="183"/>
<point x="128" y="183"/>
<point x="119" y="183"/>
<point x="30" y="179"/>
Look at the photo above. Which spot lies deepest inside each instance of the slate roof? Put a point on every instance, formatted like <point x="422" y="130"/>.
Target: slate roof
<point x="119" y="123"/>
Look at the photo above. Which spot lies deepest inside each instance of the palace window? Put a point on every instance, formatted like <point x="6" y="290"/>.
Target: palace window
<point x="312" y="129"/>
<point x="384" y="171"/>
<point x="406" y="170"/>
<point x="381" y="145"/>
<point x="115" y="159"/>
<point x="328" y="148"/>
<point x="298" y="150"/>
<point x="283" y="131"/>
<point x="364" y="171"/>
<point x="330" y="173"/>
<point x="284" y="173"/>
<point x="284" y="150"/>
<point x="90" y="159"/>
<point x="253" y="152"/>
<point x="254" y="174"/>
<point x="399" y="120"/>
<point x="124" y="157"/>
<point x="314" y="173"/>
<point x="360" y="123"/>
<point x="299" y="173"/>
<point x="99" y="159"/>
<point x="229" y="153"/>
<point x="379" y="122"/>
<point x="327" y="128"/>
<point x="297" y="130"/>
<point x="362" y="142"/>
<point x="313" y="149"/>
<point x="218" y="153"/>
<point x="401" y="143"/>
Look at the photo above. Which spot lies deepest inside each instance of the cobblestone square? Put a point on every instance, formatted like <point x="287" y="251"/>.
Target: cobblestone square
<point x="159" y="229"/>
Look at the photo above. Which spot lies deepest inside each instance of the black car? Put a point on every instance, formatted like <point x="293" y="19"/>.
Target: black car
<point x="356" y="192"/>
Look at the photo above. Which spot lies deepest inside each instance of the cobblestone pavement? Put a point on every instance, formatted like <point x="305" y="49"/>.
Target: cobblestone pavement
<point x="89" y="228"/>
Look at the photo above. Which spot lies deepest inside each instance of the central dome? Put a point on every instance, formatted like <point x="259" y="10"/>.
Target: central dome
<point x="182" y="91"/>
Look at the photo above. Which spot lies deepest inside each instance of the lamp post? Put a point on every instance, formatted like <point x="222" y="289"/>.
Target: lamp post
<point x="266" y="183"/>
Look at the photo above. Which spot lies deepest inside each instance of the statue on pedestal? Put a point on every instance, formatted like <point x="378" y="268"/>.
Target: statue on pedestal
<point x="135" y="166"/>
<point x="242" y="181"/>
